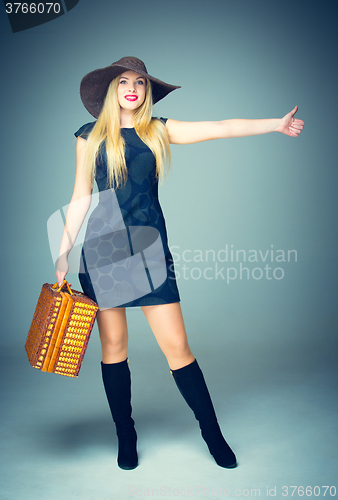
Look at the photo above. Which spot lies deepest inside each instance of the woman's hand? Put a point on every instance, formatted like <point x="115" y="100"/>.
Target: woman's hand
<point x="289" y="125"/>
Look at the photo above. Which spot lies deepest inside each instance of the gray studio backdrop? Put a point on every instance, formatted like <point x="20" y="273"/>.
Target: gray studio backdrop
<point x="251" y="221"/>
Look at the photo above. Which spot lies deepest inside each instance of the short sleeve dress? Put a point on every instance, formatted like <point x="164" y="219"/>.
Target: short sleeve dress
<point x="125" y="257"/>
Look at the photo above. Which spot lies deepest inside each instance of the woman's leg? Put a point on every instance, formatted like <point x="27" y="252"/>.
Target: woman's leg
<point x="166" y="322"/>
<point x="113" y="330"/>
<point x="112" y="324"/>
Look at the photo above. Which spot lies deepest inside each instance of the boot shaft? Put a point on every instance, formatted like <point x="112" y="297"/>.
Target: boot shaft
<point x="117" y="383"/>
<point x="191" y="384"/>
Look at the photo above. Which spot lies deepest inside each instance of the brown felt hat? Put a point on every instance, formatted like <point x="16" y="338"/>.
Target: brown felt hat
<point x="94" y="85"/>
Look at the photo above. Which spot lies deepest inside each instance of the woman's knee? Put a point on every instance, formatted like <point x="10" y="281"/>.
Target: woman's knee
<point x="114" y="349"/>
<point x="177" y="352"/>
<point x="178" y="347"/>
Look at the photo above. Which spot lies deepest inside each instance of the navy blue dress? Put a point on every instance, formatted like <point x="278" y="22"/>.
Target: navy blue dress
<point x="125" y="258"/>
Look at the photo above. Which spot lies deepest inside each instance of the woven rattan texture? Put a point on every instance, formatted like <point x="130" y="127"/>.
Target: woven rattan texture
<point x="58" y="337"/>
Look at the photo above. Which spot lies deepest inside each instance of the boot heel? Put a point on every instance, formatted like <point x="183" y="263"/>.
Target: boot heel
<point x="127" y="458"/>
<point x="219" y="448"/>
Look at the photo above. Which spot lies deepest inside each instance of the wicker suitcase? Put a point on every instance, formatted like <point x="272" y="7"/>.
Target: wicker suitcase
<point x="60" y="330"/>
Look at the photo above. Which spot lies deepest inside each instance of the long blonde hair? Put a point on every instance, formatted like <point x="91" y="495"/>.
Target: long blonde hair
<point x="151" y="131"/>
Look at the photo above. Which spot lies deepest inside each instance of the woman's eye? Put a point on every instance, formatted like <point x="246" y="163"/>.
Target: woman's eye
<point x="123" y="81"/>
<point x="140" y="82"/>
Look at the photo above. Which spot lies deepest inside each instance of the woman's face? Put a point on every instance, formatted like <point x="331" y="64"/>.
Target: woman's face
<point x="131" y="90"/>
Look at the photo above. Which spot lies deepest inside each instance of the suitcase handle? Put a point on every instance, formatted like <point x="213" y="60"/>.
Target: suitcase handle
<point x="65" y="282"/>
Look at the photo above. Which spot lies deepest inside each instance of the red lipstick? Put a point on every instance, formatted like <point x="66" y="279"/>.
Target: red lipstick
<point x="132" y="97"/>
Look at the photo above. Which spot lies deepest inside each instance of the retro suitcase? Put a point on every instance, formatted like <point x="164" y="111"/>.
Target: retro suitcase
<point x="60" y="330"/>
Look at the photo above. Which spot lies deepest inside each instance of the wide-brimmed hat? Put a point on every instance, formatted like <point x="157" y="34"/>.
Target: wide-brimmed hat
<point x="94" y="85"/>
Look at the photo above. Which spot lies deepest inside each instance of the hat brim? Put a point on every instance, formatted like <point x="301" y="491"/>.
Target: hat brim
<point x="94" y="87"/>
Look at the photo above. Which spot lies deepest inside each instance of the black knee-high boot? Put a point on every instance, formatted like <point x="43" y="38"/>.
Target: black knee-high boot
<point x="191" y="383"/>
<point x="117" y="384"/>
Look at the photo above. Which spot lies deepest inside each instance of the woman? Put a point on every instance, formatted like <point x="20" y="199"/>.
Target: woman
<point x="126" y="151"/>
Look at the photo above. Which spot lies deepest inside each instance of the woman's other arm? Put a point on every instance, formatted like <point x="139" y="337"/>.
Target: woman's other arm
<point x="191" y="132"/>
<point x="77" y="210"/>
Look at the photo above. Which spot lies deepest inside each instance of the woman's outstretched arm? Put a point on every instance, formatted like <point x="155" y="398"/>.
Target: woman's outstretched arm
<point x="77" y="210"/>
<point x="191" y="132"/>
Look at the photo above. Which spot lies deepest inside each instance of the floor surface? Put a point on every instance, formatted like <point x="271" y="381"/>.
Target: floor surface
<point x="277" y="408"/>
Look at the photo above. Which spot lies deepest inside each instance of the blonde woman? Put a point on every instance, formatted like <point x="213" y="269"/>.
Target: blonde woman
<point x="126" y="261"/>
